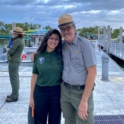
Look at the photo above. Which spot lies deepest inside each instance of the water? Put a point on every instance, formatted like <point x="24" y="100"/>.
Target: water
<point x="5" y="41"/>
<point x="118" y="61"/>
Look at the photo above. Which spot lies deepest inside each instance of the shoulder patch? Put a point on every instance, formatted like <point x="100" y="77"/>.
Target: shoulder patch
<point x="64" y="45"/>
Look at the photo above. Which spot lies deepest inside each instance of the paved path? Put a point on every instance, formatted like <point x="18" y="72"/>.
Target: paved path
<point x="108" y="96"/>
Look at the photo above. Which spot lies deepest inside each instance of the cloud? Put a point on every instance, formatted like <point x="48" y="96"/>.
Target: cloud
<point x="16" y="2"/>
<point x="46" y="12"/>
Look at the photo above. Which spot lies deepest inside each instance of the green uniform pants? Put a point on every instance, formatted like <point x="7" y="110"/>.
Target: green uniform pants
<point x="14" y="78"/>
<point x="70" y="100"/>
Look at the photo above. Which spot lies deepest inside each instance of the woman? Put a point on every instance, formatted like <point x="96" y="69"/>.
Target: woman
<point x="46" y="79"/>
<point x="14" y="59"/>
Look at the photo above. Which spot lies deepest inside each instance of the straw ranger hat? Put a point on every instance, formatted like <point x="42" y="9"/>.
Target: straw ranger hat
<point x="18" y="30"/>
<point x="65" y="19"/>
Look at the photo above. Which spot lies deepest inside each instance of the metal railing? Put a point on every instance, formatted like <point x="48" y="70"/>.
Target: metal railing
<point x="117" y="49"/>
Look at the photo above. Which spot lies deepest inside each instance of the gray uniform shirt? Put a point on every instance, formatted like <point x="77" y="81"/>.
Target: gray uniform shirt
<point x="77" y="57"/>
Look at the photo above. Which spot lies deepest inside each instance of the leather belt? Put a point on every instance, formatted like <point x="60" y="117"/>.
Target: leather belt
<point x="78" y="87"/>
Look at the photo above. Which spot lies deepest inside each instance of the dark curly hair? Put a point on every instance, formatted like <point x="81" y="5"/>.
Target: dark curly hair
<point x="43" y="46"/>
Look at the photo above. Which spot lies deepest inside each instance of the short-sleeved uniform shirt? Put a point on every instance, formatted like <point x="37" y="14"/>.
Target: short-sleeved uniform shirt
<point x="77" y="57"/>
<point x="48" y="66"/>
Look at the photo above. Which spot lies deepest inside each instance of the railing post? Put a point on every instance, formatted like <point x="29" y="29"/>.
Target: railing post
<point x="13" y="25"/>
<point x="98" y="37"/>
<point x="105" y="69"/>
<point x="108" y="38"/>
<point x="98" y="34"/>
<point x="120" y="36"/>
<point x="36" y="41"/>
<point x="104" y="38"/>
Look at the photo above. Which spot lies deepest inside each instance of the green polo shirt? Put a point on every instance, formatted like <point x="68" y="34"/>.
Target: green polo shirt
<point x="48" y="66"/>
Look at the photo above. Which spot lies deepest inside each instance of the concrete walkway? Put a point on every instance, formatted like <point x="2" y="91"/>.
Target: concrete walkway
<point x="108" y="96"/>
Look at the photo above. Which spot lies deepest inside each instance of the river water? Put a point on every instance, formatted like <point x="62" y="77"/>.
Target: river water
<point x="5" y="41"/>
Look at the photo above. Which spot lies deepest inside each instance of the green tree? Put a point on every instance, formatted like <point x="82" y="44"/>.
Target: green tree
<point x="5" y="28"/>
<point x="115" y="33"/>
<point x="90" y="30"/>
<point x="1" y="28"/>
<point x="47" y="27"/>
<point x="1" y="24"/>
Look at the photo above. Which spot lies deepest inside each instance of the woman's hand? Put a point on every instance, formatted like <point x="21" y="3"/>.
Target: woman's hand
<point x="31" y="102"/>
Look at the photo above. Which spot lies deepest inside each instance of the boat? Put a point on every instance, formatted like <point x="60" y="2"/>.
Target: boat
<point x="25" y="56"/>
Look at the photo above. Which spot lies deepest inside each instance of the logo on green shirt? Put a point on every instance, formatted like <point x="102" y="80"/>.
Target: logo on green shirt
<point x="41" y="60"/>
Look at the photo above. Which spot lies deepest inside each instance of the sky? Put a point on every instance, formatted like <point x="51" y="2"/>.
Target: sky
<point x="85" y="13"/>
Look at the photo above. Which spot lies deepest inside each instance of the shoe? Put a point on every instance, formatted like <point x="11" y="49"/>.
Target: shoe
<point x="9" y="96"/>
<point x="11" y="99"/>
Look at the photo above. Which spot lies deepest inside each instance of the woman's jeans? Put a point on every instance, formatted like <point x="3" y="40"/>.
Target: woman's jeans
<point x="47" y="105"/>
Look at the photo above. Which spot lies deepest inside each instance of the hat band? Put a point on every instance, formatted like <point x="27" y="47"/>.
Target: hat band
<point x="65" y="24"/>
<point x="18" y="32"/>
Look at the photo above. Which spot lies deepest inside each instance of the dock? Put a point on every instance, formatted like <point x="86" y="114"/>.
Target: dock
<point x="108" y="96"/>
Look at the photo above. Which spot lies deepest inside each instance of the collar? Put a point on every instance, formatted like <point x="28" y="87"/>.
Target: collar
<point x="75" y="41"/>
<point x="52" y="53"/>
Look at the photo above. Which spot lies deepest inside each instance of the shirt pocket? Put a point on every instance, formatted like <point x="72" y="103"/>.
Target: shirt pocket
<point x="77" y="59"/>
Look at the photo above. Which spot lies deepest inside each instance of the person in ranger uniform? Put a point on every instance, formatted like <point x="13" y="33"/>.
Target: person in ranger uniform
<point x="46" y="79"/>
<point x="14" y="59"/>
<point x="78" y="74"/>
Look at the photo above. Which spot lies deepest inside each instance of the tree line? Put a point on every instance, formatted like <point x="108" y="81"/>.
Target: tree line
<point x="85" y="31"/>
<point x="5" y="28"/>
<point x="93" y="32"/>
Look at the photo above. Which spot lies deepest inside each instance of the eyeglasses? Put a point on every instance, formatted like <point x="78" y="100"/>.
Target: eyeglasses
<point x="67" y="28"/>
<point x="15" y="33"/>
<point x="52" y="39"/>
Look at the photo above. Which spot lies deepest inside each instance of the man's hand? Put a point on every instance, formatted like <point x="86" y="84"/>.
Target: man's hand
<point x="32" y="57"/>
<point x="82" y="110"/>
